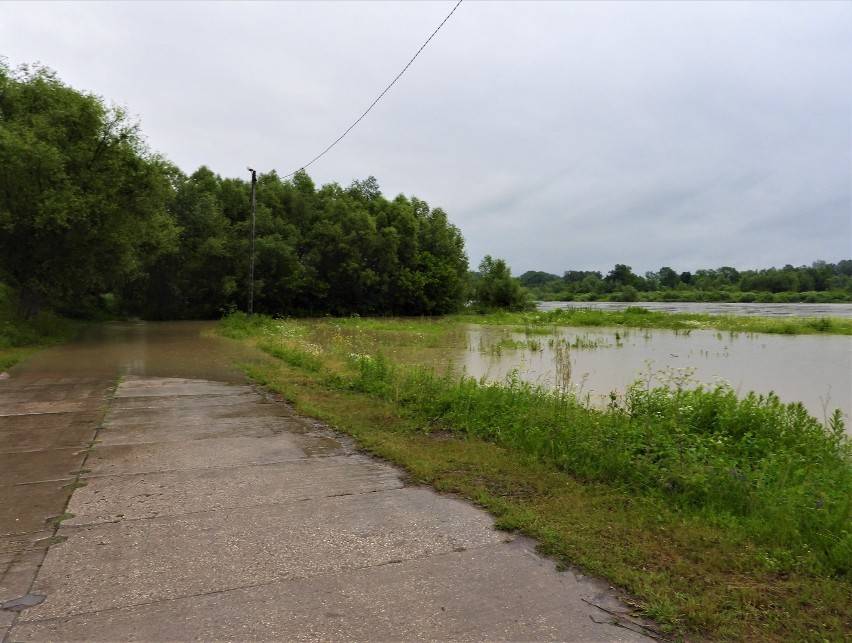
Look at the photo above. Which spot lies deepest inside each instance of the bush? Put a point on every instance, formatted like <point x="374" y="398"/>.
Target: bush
<point x="496" y="289"/>
<point x="628" y="293"/>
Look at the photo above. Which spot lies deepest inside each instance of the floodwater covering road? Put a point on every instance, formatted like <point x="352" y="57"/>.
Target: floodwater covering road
<point x="150" y="493"/>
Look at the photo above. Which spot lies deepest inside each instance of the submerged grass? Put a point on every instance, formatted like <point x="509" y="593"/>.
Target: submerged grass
<point x="722" y="517"/>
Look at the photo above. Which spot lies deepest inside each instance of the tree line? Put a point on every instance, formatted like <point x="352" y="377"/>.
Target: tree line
<point x="819" y="282"/>
<point x="92" y="222"/>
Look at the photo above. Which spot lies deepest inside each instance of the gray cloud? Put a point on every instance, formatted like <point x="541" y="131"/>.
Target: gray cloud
<point x="556" y="135"/>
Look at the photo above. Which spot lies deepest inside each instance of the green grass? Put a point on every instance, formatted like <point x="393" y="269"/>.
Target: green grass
<point x="718" y="516"/>
<point x="638" y="317"/>
<point x="19" y="338"/>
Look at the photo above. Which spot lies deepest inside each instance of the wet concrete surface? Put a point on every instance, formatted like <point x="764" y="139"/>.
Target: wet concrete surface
<point x="211" y="512"/>
<point x="35" y="433"/>
<point x="46" y="424"/>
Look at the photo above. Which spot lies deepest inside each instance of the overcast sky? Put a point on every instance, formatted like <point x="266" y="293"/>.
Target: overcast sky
<point x="556" y="135"/>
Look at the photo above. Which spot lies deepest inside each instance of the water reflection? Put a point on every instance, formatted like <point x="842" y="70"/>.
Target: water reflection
<point x="813" y="369"/>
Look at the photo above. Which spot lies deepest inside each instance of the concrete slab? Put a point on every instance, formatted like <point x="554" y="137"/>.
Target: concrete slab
<point x="197" y="426"/>
<point x="34" y="408"/>
<point x="13" y="545"/>
<point x="148" y="457"/>
<point x="173" y="493"/>
<point x="212" y="513"/>
<point x="495" y="593"/>
<point x="34" y="466"/>
<point x="7" y="619"/>
<point x="185" y="401"/>
<point x="134" y="562"/>
<point x="136" y="387"/>
<point x="51" y="396"/>
<point x="20" y="559"/>
<point x="113" y="459"/>
<point x="33" y="432"/>
<point x="55" y="388"/>
<point x="26" y="508"/>
<point x="17" y="574"/>
<point x="178" y="415"/>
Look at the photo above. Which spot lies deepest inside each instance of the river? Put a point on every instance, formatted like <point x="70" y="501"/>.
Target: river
<point x="713" y="308"/>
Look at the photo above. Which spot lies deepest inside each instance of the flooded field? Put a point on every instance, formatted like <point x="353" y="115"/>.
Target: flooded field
<point x="813" y="369"/>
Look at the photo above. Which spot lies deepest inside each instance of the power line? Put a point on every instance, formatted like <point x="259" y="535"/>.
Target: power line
<point x="340" y="138"/>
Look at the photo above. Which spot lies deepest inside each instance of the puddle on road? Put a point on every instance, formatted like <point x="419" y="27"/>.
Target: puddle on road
<point x="315" y="445"/>
<point x="23" y="602"/>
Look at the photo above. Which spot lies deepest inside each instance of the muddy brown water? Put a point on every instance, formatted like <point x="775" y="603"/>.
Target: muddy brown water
<point x="813" y="369"/>
<point x="187" y="349"/>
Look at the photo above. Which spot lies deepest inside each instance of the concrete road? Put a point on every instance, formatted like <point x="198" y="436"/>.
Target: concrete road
<point x="210" y="511"/>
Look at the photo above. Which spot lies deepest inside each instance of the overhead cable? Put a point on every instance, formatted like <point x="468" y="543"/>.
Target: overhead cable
<point x="340" y="138"/>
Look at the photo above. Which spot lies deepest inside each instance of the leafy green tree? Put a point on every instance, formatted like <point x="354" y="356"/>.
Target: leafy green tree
<point x="86" y="210"/>
<point x="769" y="280"/>
<point x="366" y="191"/>
<point x="441" y="260"/>
<point x="708" y="284"/>
<point x="282" y="278"/>
<point x="495" y="288"/>
<point x="668" y="277"/>
<point x="622" y="275"/>
<point x="204" y="273"/>
<point x="536" y="278"/>
<point x="214" y="247"/>
<point x="341" y="240"/>
<point x="83" y="204"/>
<point x="729" y="276"/>
<point x="351" y="251"/>
<point x="576" y="276"/>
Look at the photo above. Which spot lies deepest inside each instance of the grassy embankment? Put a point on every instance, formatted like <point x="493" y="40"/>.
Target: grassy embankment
<point x="719" y="517"/>
<point x="19" y="338"/>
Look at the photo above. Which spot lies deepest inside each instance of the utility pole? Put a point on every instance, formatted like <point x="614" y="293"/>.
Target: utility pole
<point x="251" y="251"/>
